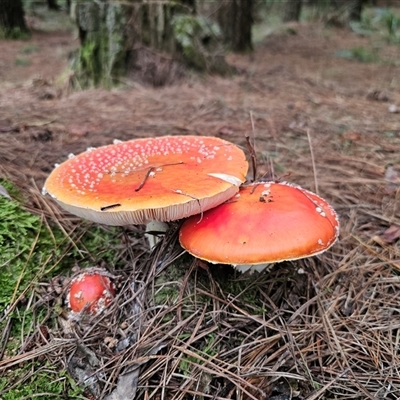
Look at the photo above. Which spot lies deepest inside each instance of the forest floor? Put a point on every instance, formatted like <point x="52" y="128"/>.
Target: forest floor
<point x="322" y="105"/>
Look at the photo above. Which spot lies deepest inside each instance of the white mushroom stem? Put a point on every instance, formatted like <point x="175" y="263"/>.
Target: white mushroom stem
<point x="156" y="227"/>
<point x="251" y="268"/>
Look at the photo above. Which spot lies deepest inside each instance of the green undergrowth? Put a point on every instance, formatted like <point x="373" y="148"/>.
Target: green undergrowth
<point x="360" y="54"/>
<point x="14" y="34"/>
<point x="27" y="244"/>
<point x="33" y="251"/>
<point x="45" y="383"/>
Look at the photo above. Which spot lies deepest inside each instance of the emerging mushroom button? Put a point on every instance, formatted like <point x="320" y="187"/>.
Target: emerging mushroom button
<point x="162" y="179"/>
<point x="90" y="291"/>
<point x="264" y="223"/>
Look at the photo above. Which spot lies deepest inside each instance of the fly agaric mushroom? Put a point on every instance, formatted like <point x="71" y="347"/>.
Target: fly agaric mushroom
<point x="264" y="223"/>
<point x="91" y="291"/>
<point x="142" y="180"/>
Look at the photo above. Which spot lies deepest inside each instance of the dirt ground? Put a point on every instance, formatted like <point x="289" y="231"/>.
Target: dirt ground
<point x="290" y="85"/>
<point x="329" y="124"/>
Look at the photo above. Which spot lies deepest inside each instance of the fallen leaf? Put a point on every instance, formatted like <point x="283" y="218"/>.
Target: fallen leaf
<point x="391" y="234"/>
<point x="6" y="129"/>
<point x="226" y="130"/>
<point x="351" y="136"/>
<point x="378" y="95"/>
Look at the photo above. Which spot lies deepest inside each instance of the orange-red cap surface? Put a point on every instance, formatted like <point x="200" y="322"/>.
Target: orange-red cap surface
<point x="162" y="179"/>
<point x="90" y="291"/>
<point x="264" y="223"/>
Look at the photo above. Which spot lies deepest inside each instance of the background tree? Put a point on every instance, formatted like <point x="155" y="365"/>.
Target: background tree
<point x="292" y="10"/>
<point x="102" y="35"/>
<point x="141" y="40"/>
<point x="356" y="10"/>
<point x="235" y="18"/>
<point x="53" y="5"/>
<point x="12" y="21"/>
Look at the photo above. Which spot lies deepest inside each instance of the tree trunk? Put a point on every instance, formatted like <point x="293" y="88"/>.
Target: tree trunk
<point x="191" y="4"/>
<point x="12" y="21"/>
<point x="103" y="49"/>
<point x="292" y="10"/>
<point x="356" y="10"/>
<point x="52" y="5"/>
<point x="139" y="40"/>
<point x="235" y="18"/>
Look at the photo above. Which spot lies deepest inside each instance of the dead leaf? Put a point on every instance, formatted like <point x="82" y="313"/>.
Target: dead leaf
<point x="80" y="130"/>
<point x="378" y="95"/>
<point x="351" y="136"/>
<point x="7" y="129"/>
<point x="225" y="130"/>
<point x="391" y="234"/>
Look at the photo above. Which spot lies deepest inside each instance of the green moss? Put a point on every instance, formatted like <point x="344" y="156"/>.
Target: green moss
<point x="172" y="286"/>
<point x="46" y="383"/>
<point x="87" y="64"/>
<point x="102" y="55"/>
<point x="25" y="242"/>
<point x="168" y="284"/>
<point x="33" y="252"/>
<point x="94" y="245"/>
<point x="359" y="54"/>
<point x="22" y="62"/>
<point x="29" y="49"/>
<point x="245" y="289"/>
<point x="14" y="34"/>
<point x="206" y="348"/>
<point x="200" y="39"/>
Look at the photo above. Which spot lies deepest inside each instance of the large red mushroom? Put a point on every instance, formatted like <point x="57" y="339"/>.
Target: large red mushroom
<point x="156" y="179"/>
<point x="264" y="223"/>
<point x="142" y="180"/>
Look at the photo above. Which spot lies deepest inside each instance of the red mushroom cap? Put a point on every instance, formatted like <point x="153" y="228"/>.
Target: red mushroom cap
<point x="265" y="222"/>
<point x="91" y="291"/>
<point x="161" y="179"/>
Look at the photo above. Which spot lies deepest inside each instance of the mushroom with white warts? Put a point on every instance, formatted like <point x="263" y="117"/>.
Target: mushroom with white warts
<point x="156" y="179"/>
<point x="265" y="223"/>
<point x="91" y="291"/>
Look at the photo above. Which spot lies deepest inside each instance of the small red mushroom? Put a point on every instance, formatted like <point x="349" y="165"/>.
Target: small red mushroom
<point x="91" y="292"/>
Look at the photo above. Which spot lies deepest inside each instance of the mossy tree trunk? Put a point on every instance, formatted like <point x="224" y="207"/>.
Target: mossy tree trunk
<point x="135" y="39"/>
<point x="114" y="34"/>
<point x="12" y="21"/>
<point x="102" y="54"/>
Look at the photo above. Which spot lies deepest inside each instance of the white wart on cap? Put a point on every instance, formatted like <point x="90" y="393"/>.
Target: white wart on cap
<point x="156" y="179"/>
